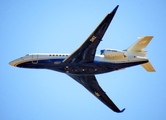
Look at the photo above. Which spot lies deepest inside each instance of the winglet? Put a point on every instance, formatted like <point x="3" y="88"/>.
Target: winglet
<point x="122" y="110"/>
<point x="115" y="8"/>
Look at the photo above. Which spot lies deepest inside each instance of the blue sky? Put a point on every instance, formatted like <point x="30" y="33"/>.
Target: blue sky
<point x="54" y="26"/>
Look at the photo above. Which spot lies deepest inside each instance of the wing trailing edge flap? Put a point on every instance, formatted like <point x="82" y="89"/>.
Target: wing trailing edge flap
<point x="91" y="84"/>
<point x="86" y="52"/>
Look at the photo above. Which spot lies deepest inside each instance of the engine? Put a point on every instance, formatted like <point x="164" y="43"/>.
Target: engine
<point x="113" y="54"/>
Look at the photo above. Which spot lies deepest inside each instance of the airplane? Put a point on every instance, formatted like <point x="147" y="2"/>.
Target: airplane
<point x="83" y="64"/>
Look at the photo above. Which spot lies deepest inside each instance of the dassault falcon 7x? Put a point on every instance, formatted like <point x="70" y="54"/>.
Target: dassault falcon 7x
<point x="83" y="64"/>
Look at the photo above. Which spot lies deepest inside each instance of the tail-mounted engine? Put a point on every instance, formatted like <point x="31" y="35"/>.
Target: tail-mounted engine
<point x="113" y="54"/>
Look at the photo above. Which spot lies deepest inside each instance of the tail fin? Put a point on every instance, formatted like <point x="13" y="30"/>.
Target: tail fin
<point x="140" y="45"/>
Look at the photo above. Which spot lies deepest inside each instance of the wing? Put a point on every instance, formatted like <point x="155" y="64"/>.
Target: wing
<point x="86" y="52"/>
<point x="91" y="84"/>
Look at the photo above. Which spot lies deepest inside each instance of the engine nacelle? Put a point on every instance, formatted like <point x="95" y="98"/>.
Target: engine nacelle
<point x="113" y="54"/>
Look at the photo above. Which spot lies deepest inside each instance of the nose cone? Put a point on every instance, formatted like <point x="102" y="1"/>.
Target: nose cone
<point x="15" y="62"/>
<point x="11" y="63"/>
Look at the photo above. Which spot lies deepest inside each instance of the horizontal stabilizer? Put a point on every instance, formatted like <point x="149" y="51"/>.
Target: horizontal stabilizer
<point x="148" y="67"/>
<point x="140" y="45"/>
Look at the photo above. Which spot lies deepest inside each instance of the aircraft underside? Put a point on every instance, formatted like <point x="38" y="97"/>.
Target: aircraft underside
<point x="80" y="68"/>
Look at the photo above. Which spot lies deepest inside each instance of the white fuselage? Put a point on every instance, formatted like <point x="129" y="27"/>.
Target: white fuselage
<point x="112" y="57"/>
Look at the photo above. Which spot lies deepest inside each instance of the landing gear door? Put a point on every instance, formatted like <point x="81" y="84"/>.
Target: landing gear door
<point x="35" y="59"/>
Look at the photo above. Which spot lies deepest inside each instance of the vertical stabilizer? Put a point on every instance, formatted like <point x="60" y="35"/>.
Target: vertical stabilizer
<point x="137" y="49"/>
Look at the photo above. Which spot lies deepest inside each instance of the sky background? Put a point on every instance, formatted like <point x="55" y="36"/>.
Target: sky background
<point x="54" y="26"/>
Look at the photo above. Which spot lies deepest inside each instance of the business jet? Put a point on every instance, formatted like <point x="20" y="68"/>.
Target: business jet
<point x="84" y="63"/>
